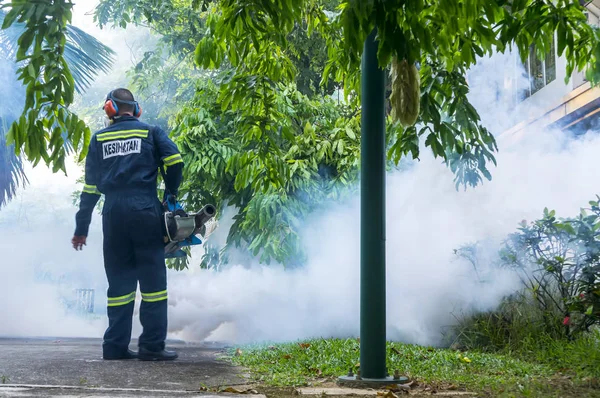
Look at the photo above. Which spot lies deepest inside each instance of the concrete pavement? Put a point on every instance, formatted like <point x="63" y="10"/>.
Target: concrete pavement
<point x="74" y="368"/>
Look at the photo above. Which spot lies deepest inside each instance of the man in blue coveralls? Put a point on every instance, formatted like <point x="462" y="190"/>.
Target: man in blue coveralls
<point x="123" y="163"/>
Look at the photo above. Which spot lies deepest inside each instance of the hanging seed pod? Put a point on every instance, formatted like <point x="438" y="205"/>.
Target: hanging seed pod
<point x="406" y="92"/>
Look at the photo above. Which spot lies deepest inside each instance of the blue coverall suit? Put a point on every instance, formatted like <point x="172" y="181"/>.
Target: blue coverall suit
<point x="123" y="163"/>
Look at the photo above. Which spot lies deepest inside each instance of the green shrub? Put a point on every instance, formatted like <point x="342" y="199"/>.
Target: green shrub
<point x="509" y="327"/>
<point x="558" y="263"/>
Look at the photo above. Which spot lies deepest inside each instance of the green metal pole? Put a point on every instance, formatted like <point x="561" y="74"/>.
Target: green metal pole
<point x="372" y="216"/>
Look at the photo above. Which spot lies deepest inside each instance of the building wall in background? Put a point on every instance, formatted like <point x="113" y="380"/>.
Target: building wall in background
<point x="540" y="94"/>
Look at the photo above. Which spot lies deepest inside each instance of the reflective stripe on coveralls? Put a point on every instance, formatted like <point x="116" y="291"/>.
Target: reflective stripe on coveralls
<point x="121" y="300"/>
<point x="91" y="189"/>
<point x="173" y="159"/>
<point x="154" y="297"/>
<point x="120" y="134"/>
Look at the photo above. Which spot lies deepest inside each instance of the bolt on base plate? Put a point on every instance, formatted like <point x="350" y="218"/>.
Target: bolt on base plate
<point x="361" y="382"/>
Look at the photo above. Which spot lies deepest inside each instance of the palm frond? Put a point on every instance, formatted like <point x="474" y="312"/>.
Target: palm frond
<point x="9" y="37"/>
<point x="85" y="54"/>
<point x="86" y="57"/>
<point x="12" y="175"/>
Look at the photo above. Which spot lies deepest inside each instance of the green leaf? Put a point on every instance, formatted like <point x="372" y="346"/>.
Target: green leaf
<point x="11" y="16"/>
<point x="350" y="134"/>
<point x="590" y="310"/>
<point x="561" y="35"/>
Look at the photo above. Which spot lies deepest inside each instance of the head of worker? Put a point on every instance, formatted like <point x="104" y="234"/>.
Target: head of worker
<point x="120" y="102"/>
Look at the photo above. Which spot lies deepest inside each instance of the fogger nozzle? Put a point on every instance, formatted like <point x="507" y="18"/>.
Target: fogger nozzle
<point x="205" y="214"/>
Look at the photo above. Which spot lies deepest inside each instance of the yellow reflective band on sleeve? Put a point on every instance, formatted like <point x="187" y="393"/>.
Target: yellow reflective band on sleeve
<point x="120" y="134"/>
<point x="173" y="159"/>
<point x="153" y="297"/>
<point x="91" y="189"/>
<point x="122" y="300"/>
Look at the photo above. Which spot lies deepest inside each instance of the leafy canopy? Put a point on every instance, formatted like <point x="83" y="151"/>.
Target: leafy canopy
<point x="251" y="39"/>
<point x="223" y="170"/>
<point x="245" y="136"/>
<point x="443" y="37"/>
<point x="317" y="156"/>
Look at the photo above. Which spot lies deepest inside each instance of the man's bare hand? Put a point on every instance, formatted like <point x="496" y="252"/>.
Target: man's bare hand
<point x="78" y="242"/>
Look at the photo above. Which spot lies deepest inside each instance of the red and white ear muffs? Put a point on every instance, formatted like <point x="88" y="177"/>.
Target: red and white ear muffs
<point x="111" y="108"/>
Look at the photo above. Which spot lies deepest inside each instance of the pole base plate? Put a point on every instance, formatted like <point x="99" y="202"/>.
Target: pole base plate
<point x="353" y="382"/>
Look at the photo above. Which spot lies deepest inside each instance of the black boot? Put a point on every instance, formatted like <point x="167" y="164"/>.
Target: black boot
<point x="125" y="355"/>
<point x="164" y="355"/>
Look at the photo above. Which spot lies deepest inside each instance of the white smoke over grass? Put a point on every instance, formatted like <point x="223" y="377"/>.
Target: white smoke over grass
<point x="427" y="218"/>
<point x="426" y="285"/>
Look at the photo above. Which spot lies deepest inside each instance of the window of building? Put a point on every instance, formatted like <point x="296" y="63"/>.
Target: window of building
<point x="539" y="72"/>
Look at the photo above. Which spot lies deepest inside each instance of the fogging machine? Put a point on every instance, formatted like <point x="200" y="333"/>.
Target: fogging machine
<point x="181" y="229"/>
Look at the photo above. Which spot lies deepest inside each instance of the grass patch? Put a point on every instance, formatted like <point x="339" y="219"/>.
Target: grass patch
<point x="295" y="364"/>
<point x="541" y="368"/>
<point x="519" y="330"/>
<point x="579" y="359"/>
